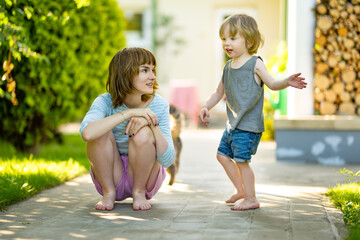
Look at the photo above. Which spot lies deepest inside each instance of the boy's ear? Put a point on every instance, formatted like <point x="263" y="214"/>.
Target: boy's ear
<point x="249" y="44"/>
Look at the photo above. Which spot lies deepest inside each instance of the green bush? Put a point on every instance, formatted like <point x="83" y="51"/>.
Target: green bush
<point x="352" y="214"/>
<point x="268" y="112"/>
<point x="347" y="198"/>
<point x="60" y="51"/>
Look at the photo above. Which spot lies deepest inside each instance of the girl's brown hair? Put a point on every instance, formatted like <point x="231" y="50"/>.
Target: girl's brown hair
<point x="123" y="68"/>
<point x="247" y="27"/>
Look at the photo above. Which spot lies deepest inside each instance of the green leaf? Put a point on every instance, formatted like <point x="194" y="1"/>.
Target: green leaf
<point x="61" y="51"/>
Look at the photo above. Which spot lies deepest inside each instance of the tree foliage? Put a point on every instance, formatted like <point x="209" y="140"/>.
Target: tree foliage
<point x="58" y="53"/>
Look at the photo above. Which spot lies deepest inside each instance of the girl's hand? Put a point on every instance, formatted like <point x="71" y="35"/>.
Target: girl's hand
<point x="296" y="81"/>
<point x="204" y="113"/>
<point x="145" y="113"/>
<point x="134" y="125"/>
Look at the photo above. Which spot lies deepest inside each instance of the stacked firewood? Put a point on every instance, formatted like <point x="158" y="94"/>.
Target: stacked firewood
<point x="337" y="57"/>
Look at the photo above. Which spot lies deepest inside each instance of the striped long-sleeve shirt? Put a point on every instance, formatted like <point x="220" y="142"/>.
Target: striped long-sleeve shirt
<point x="102" y="107"/>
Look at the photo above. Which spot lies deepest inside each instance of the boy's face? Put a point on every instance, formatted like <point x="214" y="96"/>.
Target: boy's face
<point x="144" y="81"/>
<point x="233" y="46"/>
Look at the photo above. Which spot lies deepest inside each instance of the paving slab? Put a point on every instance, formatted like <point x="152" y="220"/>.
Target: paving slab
<point x="291" y="196"/>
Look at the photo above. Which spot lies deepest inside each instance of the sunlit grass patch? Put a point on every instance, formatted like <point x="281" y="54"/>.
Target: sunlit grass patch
<point x="23" y="175"/>
<point x="347" y="198"/>
<point x="343" y="193"/>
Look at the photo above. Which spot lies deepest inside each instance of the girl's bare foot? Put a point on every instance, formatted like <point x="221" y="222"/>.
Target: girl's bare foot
<point x="107" y="202"/>
<point x="246" y="205"/>
<point x="140" y="202"/>
<point x="235" y="197"/>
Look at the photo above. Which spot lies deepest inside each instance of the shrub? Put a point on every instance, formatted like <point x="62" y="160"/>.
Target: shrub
<point x="352" y="214"/>
<point x="347" y="198"/>
<point x="269" y="112"/>
<point x="275" y="101"/>
<point x="60" y="51"/>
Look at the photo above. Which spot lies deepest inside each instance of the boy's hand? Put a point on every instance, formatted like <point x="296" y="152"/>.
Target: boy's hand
<point x="296" y="81"/>
<point x="204" y="113"/>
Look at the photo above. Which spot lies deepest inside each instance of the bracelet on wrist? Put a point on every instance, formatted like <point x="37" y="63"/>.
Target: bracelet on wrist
<point x="123" y="116"/>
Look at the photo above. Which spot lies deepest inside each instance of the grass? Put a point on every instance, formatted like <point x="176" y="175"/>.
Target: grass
<point x="347" y="198"/>
<point x="24" y="175"/>
<point x="343" y="193"/>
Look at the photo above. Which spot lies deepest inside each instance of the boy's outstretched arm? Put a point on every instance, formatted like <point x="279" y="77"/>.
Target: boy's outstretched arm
<point x="212" y="100"/>
<point x="294" y="80"/>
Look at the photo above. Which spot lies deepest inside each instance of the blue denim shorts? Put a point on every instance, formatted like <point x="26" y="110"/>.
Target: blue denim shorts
<point x="239" y="145"/>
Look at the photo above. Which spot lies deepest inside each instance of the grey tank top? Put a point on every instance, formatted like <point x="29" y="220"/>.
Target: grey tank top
<point x="244" y="97"/>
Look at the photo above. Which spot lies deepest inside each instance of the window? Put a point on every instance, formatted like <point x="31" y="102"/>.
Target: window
<point x="138" y="28"/>
<point x="134" y="23"/>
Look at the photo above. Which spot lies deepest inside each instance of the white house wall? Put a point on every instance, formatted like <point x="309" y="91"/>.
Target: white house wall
<point x="198" y="60"/>
<point x="301" y="25"/>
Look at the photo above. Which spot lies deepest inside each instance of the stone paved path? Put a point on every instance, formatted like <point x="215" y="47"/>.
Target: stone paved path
<point x="292" y="204"/>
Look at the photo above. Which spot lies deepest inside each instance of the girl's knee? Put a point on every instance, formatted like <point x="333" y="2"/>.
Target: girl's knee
<point x="106" y="138"/>
<point x="143" y="136"/>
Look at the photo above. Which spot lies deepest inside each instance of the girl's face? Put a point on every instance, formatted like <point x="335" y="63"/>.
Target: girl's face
<point x="233" y="46"/>
<point x="144" y="81"/>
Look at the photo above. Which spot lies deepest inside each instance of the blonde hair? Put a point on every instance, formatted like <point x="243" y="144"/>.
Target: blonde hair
<point x="123" y="68"/>
<point x="247" y="27"/>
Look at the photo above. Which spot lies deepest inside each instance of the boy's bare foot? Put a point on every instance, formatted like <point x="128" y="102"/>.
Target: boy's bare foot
<point x="246" y="205"/>
<point x="235" y="197"/>
<point x="140" y="202"/>
<point x="107" y="202"/>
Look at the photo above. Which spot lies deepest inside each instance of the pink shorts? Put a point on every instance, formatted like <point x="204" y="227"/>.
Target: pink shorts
<point x="126" y="183"/>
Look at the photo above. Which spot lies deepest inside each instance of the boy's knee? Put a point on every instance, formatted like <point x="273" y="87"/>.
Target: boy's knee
<point x="222" y="158"/>
<point x="143" y="136"/>
<point x="242" y="164"/>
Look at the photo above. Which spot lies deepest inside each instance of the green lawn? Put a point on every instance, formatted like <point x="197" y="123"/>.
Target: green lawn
<point x="346" y="197"/>
<point x="24" y="175"/>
